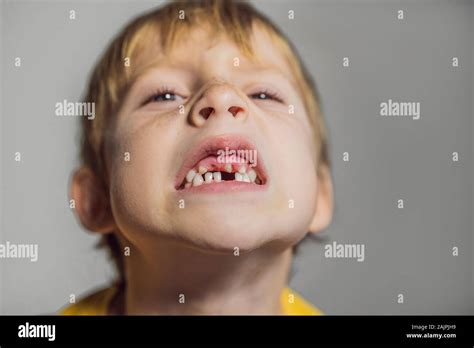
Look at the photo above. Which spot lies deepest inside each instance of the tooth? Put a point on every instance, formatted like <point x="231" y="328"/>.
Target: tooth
<point x="242" y="169"/>
<point x="252" y="175"/>
<point x="245" y="178"/>
<point x="190" y="175"/>
<point x="238" y="177"/>
<point x="187" y="185"/>
<point x="202" y="170"/>
<point x="198" y="180"/>
<point x="217" y="176"/>
<point x="208" y="178"/>
<point x="228" y="168"/>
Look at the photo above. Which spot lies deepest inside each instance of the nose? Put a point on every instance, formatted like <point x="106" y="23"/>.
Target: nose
<point x="219" y="100"/>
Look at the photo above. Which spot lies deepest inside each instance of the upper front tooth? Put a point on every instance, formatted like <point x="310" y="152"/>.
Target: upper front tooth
<point x="252" y="175"/>
<point x="190" y="175"/>
<point x="208" y="177"/>
<point x="238" y="177"/>
<point x="202" y="169"/>
<point x="228" y="168"/>
<point x="198" y="180"/>
<point x="242" y="169"/>
<point x="217" y="176"/>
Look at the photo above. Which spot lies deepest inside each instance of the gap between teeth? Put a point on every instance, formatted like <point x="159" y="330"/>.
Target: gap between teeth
<point x="202" y="176"/>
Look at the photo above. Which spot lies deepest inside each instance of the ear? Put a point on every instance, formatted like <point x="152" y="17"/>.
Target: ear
<point x="92" y="202"/>
<point x="324" y="203"/>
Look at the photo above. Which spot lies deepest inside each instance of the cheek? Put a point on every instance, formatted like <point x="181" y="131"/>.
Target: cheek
<point x="295" y="176"/>
<point x="139" y="177"/>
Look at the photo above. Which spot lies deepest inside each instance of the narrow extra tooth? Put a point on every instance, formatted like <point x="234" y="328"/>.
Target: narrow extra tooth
<point x="190" y="175"/>
<point x="228" y="168"/>
<point x="208" y="178"/>
<point x="252" y="175"/>
<point x="245" y="178"/>
<point x="198" y="180"/>
<point x="187" y="185"/>
<point x="202" y="170"/>
<point x="238" y="177"/>
<point x="242" y="169"/>
<point x="217" y="176"/>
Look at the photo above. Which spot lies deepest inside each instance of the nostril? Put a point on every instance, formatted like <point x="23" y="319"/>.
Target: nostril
<point x="234" y="110"/>
<point x="206" y="112"/>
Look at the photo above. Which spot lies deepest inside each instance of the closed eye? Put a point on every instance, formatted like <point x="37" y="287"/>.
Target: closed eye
<point x="162" y="96"/>
<point x="267" y="95"/>
<point x="170" y="96"/>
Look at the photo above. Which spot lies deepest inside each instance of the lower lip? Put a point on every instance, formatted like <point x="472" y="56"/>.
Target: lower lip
<point x="225" y="187"/>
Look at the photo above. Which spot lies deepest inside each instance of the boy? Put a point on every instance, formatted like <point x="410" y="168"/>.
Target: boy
<point x="205" y="165"/>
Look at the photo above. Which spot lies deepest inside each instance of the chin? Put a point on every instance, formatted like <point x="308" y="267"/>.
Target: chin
<point x="247" y="234"/>
<point x="223" y="236"/>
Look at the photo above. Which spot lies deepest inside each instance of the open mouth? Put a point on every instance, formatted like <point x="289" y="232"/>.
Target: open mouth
<point x="224" y="161"/>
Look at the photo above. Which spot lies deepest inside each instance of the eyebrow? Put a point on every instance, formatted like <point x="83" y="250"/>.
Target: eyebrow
<point x="156" y="64"/>
<point x="144" y="70"/>
<point x="275" y="71"/>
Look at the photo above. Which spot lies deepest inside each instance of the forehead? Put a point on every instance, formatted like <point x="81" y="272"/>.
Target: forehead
<point x="201" y="49"/>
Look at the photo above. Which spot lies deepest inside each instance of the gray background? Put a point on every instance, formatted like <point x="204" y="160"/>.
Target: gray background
<point x="406" y="251"/>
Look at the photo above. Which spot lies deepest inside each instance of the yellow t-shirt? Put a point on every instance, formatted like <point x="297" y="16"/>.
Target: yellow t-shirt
<point x="98" y="304"/>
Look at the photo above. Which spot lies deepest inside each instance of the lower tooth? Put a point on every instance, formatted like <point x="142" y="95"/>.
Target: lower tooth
<point x="245" y="178"/>
<point x="217" y="176"/>
<point x="238" y="177"/>
<point x="190" y="175"/>
<point x="208" y="177"/>
<point x="198" y="180"/>
<point x="252" y="175"/>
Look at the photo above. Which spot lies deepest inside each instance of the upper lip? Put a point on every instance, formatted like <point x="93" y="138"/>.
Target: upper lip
<point x="211" y="146"/>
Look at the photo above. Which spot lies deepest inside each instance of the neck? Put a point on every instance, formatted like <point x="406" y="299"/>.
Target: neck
<point x="181" y="280"/>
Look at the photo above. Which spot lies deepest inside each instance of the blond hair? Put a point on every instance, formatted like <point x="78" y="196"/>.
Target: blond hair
<point x="110" y="78"/>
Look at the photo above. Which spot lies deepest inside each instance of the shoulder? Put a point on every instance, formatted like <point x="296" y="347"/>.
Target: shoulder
<point x="294" y="304"/>
<point x="96" y="303"/>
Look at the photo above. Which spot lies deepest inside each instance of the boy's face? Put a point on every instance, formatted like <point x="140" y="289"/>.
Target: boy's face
<point x="180" y="114"/>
